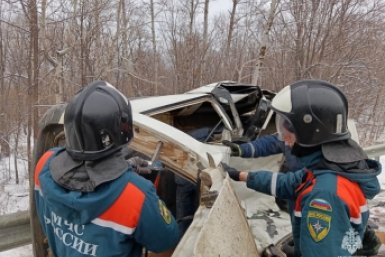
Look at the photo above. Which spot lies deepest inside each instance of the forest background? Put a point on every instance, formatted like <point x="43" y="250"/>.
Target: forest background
<point x="49" y="49"/>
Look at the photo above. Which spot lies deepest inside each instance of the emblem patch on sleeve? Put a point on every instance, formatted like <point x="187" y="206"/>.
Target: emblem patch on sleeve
<point x="164" y="212"/>
<point x="318" y="225"/>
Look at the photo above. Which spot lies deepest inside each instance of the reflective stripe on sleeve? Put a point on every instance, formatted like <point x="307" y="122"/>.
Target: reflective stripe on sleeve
<point x="252" y="149"/>
<point x="273" y="186"/>
<point x="124" y="214"/>
<point x="39" y="167"/>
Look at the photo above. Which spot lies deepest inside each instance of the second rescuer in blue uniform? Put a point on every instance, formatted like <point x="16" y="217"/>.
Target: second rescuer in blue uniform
<point x="328" y="198"/>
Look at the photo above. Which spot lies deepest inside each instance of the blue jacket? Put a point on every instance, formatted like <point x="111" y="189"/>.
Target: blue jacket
<point x="328" y="207"/>
<point x="269" y="145"/>
<point x="117" y="219"/>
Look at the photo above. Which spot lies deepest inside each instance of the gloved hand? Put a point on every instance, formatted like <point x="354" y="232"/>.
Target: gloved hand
<point x="139" y="165"/>
<point x="235" y="148"/>
<point x="233" y="173"/>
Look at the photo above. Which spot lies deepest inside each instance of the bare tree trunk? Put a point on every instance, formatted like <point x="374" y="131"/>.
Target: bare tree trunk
<point x="205" y="20"/>
<point x="61" y="54"/>
<point x="19" y="125"/>
<point x="232" y="24"/>
<point x="264" y="41"/>
<point x="16" y="153"/>
<point x="117" y="40"/>
<point x="299" y="47"/>
<point x="97" y="26"/>
<point x="82" y="45"/>
<point x="202" y="64"/>
<point x="33" y="76"/>
<point x="192" y="11"/>
<point x="122" y="45"/>
<point x="191" y="44"/>
<point x="154" y="47"/>
<point x="4" y="138"/>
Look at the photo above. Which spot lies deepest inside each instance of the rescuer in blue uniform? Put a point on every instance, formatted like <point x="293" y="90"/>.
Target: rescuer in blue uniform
<point x="328" y="197"/>
<point x="90" y="202"/>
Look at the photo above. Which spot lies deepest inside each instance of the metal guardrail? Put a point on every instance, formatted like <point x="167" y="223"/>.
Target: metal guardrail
<point x="375" y="151"/>
<point x="15" y="228"/>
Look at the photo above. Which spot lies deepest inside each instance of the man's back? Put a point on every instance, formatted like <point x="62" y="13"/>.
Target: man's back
<point x="116" y="219"/>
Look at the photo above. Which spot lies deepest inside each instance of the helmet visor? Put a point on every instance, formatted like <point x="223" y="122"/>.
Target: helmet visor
<point x="285" y="129"/>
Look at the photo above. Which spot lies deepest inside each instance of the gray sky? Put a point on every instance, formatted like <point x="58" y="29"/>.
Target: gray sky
<point x="217" y="6"/>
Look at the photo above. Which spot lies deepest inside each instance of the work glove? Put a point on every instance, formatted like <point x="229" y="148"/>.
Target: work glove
<point x="235" y="148"/>
<point x="139" y="165"/>
<point x="233" y="173"/>
<point x="370" y="244"/>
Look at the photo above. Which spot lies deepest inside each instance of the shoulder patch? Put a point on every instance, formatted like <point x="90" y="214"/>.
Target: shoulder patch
<point x="320" y="204"/>
<point x="318" y="224"/>
<point x="164" y="212"/>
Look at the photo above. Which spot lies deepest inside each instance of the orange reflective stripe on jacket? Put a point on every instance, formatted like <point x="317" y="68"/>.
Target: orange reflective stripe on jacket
<point x="39" y="166"/>
<point x="310" y="181"/>
<point x="351" y="193"/>
<point x="124" y="214"/>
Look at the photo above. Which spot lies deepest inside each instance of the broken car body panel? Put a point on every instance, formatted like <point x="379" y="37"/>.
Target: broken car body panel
<point x="179" y="152"/>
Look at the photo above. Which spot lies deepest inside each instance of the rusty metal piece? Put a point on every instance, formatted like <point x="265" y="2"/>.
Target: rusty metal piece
<point x="208" y="198"/>
<point x="205" y="178"/>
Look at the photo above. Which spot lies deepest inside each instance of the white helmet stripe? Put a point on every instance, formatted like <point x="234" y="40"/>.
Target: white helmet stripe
<point x="282" y="101"/>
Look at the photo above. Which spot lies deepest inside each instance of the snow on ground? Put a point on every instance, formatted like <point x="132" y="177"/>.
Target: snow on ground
<point x="15" y="198"/>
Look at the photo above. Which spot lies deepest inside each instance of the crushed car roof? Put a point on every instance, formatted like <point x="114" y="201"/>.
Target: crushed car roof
<point x="237" y="92"/>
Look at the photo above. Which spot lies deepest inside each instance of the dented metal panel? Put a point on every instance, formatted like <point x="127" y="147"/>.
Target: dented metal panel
<point x="179" y="151"/>
<point x="221" y="230"/>
<point x="226" y="231"/>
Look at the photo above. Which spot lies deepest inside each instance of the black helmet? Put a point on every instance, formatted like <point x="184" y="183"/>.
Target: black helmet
<point x="316" y="109"/>
<point x="97" y="122"/>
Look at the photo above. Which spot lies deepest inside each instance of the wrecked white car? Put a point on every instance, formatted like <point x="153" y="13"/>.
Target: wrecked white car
<point x="185" y="132"/>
